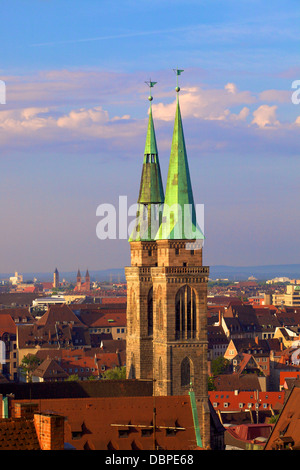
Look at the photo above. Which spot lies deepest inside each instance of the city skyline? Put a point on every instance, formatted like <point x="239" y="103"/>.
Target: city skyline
<point x="73" y="128"/>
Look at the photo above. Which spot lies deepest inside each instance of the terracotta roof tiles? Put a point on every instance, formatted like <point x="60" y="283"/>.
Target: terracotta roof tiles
<point x="18" y="434"/>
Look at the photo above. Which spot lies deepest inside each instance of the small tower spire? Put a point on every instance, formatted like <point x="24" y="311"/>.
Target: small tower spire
<point x="151" y="188"/>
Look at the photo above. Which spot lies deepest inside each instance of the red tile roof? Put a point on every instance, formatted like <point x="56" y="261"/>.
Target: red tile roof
<point x="286" y="431"/>
<point x="243" y="434"/>
<point x="110" y="320"/>
<point x="18" y="434"/>
<point x="50" y="370"/>
<point x="7" y="324"/>
<point x="124" y="423"/>
<point x="227" y="401"/>
<point x="18" y="314"/>
<point x="59" y="313"/>
<point x="288" y="375"/>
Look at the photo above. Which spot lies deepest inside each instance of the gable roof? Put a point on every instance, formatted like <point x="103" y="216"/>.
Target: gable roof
<point x="59" y="313"/>
<point x="50" y="369"/>
<point x="52" y="336"/>
<point x="18" y="314"/>
<point x="244" y="345"/>
<point x="247" y="361"/>
<point x="7" y="325"/>
<point x="235" y="381"/>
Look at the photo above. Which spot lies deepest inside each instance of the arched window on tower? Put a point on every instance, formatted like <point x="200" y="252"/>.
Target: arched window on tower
<point x="150" y="312"/>
<point x="186" y="372"/>
<point x="185" y="313"/>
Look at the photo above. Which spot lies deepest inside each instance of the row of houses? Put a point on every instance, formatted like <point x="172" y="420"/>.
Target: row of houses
<point x="263" y="341"/>
<point x="95" y="333"/>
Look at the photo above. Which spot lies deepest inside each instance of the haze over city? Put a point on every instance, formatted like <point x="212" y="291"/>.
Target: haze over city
<point x="72" y="129"/>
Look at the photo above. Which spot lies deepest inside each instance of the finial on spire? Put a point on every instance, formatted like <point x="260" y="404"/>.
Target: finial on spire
<point x="178" y="72"/>
<point x="150" y="85"/>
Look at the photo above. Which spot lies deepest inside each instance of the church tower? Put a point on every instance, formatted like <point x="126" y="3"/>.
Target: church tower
<point x="180" y="289"/>
<point x="87" y="281"/>
<point x="167" y="292"/>
<point x="78" y="281"/>
<point x="139" y="339"/>
<point x="56" y="279"/>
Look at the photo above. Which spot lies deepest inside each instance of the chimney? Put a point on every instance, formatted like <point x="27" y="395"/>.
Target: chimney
<point x="25" y="410"/>
<point x="50" y="431"/>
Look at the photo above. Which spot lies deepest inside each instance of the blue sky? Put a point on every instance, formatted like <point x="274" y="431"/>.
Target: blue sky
<point x="72" y="130"/>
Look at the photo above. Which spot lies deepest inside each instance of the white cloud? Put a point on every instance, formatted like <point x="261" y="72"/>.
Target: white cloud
<point x="298" y="121"/>
<point x="242" y="116"/>
<point x="209" y="104"/>
<point x="231" y="88"/>
<point x="56" y="114"/>
<point x="77" y="119"/>
<point x="265" y="116"/>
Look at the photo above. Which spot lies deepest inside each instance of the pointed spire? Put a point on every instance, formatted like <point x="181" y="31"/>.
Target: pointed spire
<point x="151" y="188"/>
<point x="179" y="215"/>
<point x="150" y="146"/>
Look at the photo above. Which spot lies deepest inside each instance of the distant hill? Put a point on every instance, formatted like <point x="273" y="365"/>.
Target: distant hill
<point x="233" y="273"/>
<point x="262" y="273"/>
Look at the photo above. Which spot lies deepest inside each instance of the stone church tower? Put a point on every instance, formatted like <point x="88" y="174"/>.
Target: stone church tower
<point x="56" y="279"/>
<point x="166" y="283"/>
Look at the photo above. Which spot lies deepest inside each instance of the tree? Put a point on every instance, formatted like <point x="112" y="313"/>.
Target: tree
<point x="219" y="365"/>
<point x="28" y="364"/>
<point x="72" y="378"/>
<point x="117" y="373"/>
<point x="211" y="384"/>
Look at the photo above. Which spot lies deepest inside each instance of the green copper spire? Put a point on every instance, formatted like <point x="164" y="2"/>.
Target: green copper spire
<point x="150" y="146"/>
<point x="151" y="188"/>
<point x="179" y="215"/>
<point x="151" y="192"/>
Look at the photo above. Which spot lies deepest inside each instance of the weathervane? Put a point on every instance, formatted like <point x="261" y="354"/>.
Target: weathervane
<point x="150" y="85"/>
<point x="178" y="72"/>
